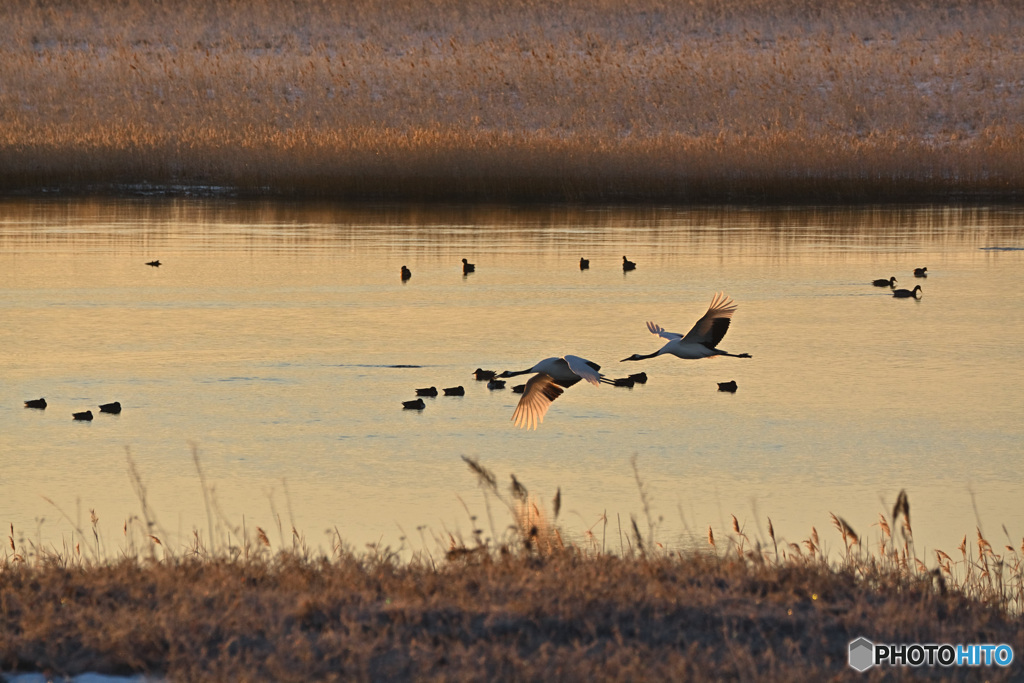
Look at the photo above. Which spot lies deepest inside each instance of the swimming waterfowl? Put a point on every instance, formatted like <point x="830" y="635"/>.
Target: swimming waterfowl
<point x="553" y="376"/>
<point x="702" y="339"/>
<point x="519" y="388"/>
<point x="920" y="272"/>
<point x="496" y="384"/>
<point x="624" y="382"/>
<point x="406" y="273"/>
<point x="155" y="264"/>
<point x="87" y="415"/>
<point x="729" y="386"/>
<point x="627" y="264"/>
<point x="114" y="407"/>
<point x="891" y="282"/>
<point x="639" y="378"/>
<point x="482" y="375"/>
<point x="584" y="263"/>
<point x="455" y="391"/>
<point x="418" y="404"/>
<point x="908" y="293"/>
<point x="429" y="391"/>
<point x="468" y="267"/>
<point x="39" y="403"/>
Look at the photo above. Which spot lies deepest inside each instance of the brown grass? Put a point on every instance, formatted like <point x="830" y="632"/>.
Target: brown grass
<point x="518" y="100"/>
<point x="526" y="606"/>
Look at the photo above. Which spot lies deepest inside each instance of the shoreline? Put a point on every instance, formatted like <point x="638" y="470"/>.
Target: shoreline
<point x="830" y="195"/>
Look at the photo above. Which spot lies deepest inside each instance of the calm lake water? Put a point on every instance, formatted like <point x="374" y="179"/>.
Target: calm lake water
<point x="278" y="341"/>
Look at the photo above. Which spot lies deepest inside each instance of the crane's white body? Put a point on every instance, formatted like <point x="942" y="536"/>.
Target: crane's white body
<point x="703" y="338"/>
<point x="553" y="376"/>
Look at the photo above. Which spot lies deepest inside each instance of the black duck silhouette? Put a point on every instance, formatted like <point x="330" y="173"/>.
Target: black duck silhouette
<point x="908" y="293"/>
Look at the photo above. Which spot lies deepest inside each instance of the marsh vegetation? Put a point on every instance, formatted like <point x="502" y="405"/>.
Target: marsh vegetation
<point x="512" y="602"/>
<point x="517" y="101"/>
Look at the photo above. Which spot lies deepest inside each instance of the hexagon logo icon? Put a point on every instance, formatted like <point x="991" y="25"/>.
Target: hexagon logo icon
<point x="862" y="654"/>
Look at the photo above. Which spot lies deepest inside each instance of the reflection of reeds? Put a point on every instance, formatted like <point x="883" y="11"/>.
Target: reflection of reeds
<point x="524" y="100"/>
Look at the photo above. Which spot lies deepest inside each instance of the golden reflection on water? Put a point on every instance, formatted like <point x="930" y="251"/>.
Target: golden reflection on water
<point x="268" y="336"/>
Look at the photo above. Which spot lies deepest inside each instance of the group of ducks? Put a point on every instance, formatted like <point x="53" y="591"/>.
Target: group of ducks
<point x="627" y="265"/>
<point x="468" y="267"/>
<point x="902" y="293"/>
<point x="494" y="384"/>
<point x="112" y="408"/>
<point x="552" y="376"/>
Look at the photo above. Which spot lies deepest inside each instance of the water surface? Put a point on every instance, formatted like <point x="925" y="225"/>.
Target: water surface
<point x="277" y="341"/>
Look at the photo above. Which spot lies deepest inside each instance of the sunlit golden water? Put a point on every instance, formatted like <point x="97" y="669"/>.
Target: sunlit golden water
<point x="269" y="339"/>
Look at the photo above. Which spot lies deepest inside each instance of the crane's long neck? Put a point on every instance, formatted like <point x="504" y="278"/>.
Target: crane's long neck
<point x="513" y="373"/>
<point x="637" y="356"/>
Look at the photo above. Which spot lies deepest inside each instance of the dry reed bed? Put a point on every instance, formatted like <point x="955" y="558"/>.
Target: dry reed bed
<point x="517" y="100"/>
<point x="515" y="616"/>
<point x="528" y="606"/>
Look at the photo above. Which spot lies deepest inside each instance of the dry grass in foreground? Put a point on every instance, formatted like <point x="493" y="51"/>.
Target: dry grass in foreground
<point x="516" y="100"/>
<point x="529" y="608"/>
